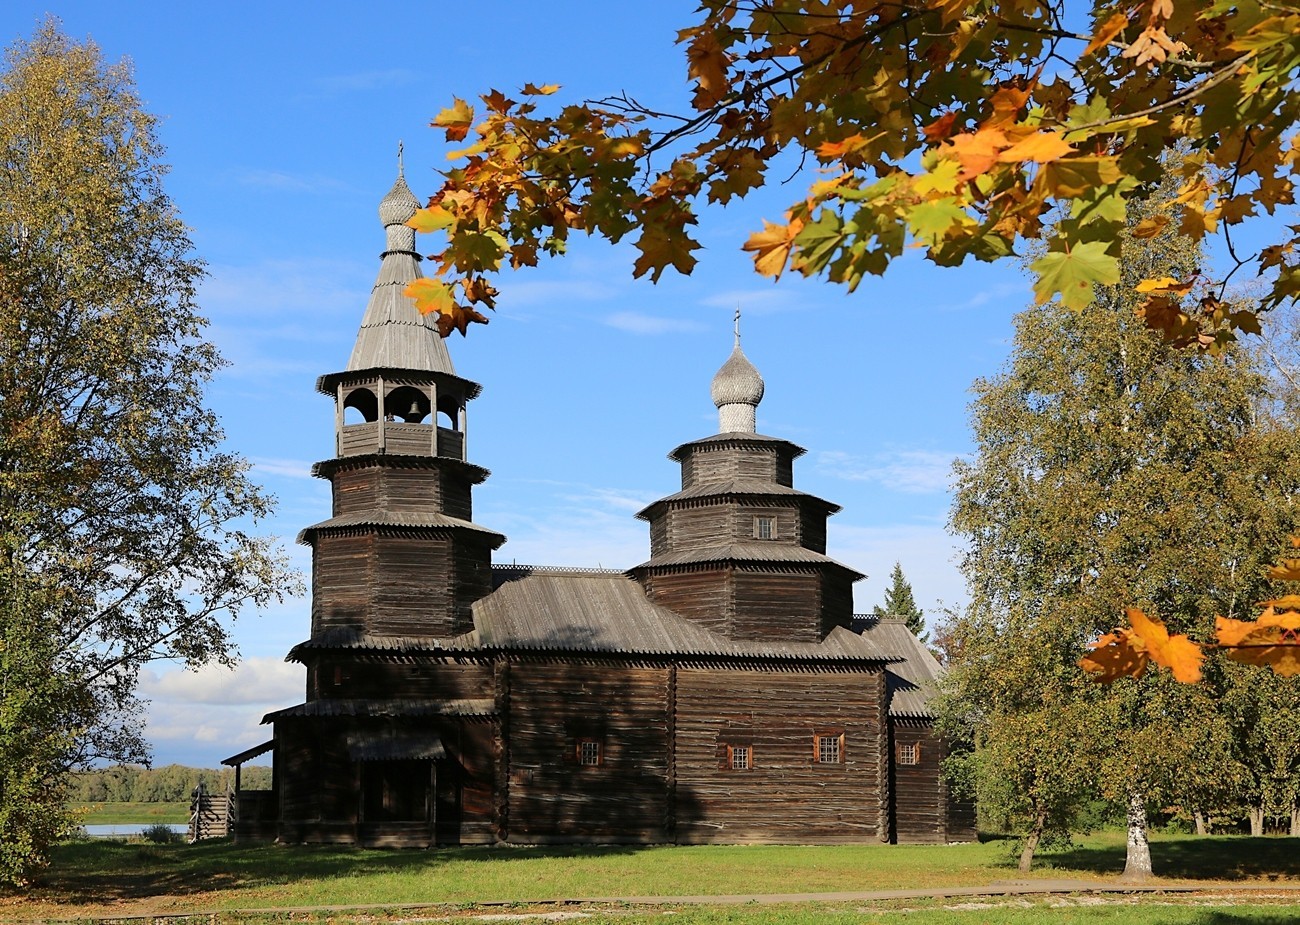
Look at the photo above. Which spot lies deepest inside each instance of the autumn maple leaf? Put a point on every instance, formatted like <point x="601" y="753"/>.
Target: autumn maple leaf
<point x="1114" y="656"/>
<point x="1177" y="653"/>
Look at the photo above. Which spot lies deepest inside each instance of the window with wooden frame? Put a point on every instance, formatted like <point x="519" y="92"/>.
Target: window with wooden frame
<point x="908" y="753"/>
<point x="740" y="757"/>
<point x="828" y="748"/>
<point x="764" y="528"/>
<point x="590" y="752"/>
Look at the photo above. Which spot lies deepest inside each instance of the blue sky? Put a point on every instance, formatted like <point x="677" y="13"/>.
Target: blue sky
<point x="281" y="123"/>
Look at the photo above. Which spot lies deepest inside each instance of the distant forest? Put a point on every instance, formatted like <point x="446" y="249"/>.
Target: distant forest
<point x="171" y="784"/>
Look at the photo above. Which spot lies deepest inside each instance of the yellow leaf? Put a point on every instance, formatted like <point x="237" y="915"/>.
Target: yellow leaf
<point x="532" y="89"/>
<point x="430" y="295"/>
<point x="1107" y="31"/>
<point x="434" y="218"/>
<point x="771" y="246"/>
<point x="456" y="120"/>
<point x="1165" y="285"/>
<point x="1150" y="227"/>
<point x="1040" y="148"/>
<point x="1177" y="653"/>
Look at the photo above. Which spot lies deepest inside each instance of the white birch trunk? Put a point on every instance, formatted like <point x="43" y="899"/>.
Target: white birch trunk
<point x="1137" y="862"/>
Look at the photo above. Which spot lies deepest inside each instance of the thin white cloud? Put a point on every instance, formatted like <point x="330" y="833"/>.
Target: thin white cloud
<point x="292" y="468"/>
<point x="256" y="680"/>
<point x="766" y="301"/>
<point x="907" y="471"/>
<point x="1015" y="293"/>
<point x="639" y="323"/>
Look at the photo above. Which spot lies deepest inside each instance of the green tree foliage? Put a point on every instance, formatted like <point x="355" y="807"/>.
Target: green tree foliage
<point x="1111" y="470"/>
<point x="120" y="515"/>
<point x="169" y="784"/>
<point x="901" y="605"/>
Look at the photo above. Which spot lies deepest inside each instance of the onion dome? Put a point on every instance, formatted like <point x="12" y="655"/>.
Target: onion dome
<point x="737" y="389"/>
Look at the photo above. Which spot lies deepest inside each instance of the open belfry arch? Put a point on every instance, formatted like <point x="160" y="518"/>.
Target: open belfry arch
<point x="720" y="691"/>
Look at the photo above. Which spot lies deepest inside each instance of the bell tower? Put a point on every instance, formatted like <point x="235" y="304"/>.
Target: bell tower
<point x="401" y="555"/>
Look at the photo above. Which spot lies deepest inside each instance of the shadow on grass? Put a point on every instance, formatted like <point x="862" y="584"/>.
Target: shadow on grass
<point x="1220" y="857"/>
<point x="113" y="871"/>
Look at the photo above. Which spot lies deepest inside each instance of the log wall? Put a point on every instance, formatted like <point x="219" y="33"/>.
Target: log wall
<point x="786" y="796"/>
<point x="555" y="798"/>
<point x="701" y="595"/>
<point x="919" y="799"/>
<point x="777" y="606"/>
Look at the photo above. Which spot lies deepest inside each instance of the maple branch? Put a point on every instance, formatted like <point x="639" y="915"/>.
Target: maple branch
<point x="1177" y="99"/>
<point x="1077" y="36"/>
<point x="698" y="123"/>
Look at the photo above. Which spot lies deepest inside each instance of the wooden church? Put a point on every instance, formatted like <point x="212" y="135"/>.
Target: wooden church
<point x="717" y="692"/>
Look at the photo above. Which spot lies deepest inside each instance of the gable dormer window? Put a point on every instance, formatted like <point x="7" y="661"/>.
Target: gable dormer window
<point x="764" y="528"/>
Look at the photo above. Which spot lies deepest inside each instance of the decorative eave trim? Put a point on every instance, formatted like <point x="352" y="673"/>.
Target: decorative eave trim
<point x="327" y="467"/>
<point x="802" y="499"/>
<point x="734" y="440"/>
<point x="327" y="383"/>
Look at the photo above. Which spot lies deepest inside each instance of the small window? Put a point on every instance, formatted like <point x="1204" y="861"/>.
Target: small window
<point x="589" y="752"/>
<point x="340" y="676"/>
<point x="740" y="757"/>
<point x="909" y="753"/>
<point x="828" y="748"/>
<point x="764" y="528"/>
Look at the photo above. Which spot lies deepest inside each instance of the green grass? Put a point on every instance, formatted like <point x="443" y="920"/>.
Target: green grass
<point x="127" y="813"/>
<point x="94" y="878"/>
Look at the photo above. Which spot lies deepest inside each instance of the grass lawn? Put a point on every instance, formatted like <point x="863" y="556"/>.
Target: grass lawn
<point x="115" y="878"/>
<point x="125" y="813"/>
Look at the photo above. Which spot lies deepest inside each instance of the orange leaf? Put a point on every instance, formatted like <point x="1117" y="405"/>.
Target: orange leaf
<point x="772" y="245"/>
<point x="1288" y="602"/>
<point x="455" y="120"/>
<point x="1114" y="656"/>
<point x="1106" y="31"/>
<point x="977" y="152"/>
<point x="1040" y="147"/>
<point x="941" y="127"/>
<point x="1177" y="653"/>
<point x="1288" y="570"/>
<point x="1007" y="103"/>
<point x="532" y="89"/>
<point x="707" y="62"/>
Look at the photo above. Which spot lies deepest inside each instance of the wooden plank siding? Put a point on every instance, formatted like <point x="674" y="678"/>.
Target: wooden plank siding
<point x="776" y="605"/>
<point x="787" y="796"/>
<point x="553" y="798"/>
<point x="342" y="565"/>
<point x="715" y="464"/>
<point x="347" y="675"/>
<point x="919" y="815"/>
<point x="400" y="439"/>
<point x="701" y="594"/>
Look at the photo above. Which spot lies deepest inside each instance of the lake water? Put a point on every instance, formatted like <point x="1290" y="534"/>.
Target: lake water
<point x="127" y="830"/>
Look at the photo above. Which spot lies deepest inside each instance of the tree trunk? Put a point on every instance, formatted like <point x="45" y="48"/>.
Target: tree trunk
<point x="1031" y="843"/>
<point x="1257" y="821"/>
<point x="1295" y="821"/>
<point x="1137" y="862"/>
<point x="1199" y="817"/>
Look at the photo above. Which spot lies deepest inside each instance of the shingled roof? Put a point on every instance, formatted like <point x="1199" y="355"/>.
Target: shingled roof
<point x="911" y="680"/>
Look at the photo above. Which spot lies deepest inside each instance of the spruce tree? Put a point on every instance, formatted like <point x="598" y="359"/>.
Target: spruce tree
<point x="901" y="605"/>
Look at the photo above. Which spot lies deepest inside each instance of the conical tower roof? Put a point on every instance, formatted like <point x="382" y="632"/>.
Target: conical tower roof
<point x="394" y="335"/>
